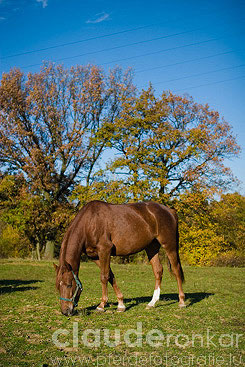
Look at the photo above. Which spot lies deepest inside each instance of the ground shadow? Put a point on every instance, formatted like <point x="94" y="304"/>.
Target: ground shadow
<point x="16" y="285"/>
<point x="191" y="299"/>
<point x="197" y="297"/>
<point x="85" y="311"/>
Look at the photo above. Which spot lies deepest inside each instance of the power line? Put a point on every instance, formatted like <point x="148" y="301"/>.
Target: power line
<point x="199" y="74"/>
<point x="163" y="50"/>
<point x="207" y="84"/>
<point x="87" y="40"/>
<point x="133" y="57"/>
<point x="79" y="41"/>
<point x="186" y="61"/>
<point x="117" y="47"/>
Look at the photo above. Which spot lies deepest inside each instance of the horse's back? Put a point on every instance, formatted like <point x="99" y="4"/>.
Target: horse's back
<point x="151" y="214"/>
<point x="130" y="227"/>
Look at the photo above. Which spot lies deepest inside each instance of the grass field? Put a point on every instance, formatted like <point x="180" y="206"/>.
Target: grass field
<point x="30" y="319"/>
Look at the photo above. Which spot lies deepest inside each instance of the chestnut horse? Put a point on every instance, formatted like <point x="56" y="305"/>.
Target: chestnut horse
<point x="102" y="230"/>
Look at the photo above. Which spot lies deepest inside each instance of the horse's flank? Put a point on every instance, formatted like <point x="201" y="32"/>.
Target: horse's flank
<point x="129" y="227"/>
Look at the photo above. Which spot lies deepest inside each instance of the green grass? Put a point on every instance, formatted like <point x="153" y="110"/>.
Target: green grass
<point x="30" y="315"/>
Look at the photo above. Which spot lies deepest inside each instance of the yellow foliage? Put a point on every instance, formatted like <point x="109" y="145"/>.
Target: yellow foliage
<point x="12" y="244"/>
<point x="199" y="245"/>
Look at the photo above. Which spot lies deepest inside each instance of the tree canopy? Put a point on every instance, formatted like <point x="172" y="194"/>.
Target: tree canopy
<point x="170" y="144"/>
<point x="50" y="123"/>
<point x="57" y="125"/>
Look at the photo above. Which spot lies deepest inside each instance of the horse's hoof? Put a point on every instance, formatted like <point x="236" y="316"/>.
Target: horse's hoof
<point x="100" y="309"/>
<point x="182" y="305"/>
<point x="149" y="307"/>
<point x="121" y="309"/>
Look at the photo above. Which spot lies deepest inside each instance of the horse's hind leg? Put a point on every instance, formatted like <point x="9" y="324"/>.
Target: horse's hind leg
<point x="178" y="272"/>
<point x="152" y="252"/>
<point x="112" y="280"/>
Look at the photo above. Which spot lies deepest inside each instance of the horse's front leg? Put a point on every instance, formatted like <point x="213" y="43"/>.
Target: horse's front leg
<point x="104" y="261"/>
<point x="112" y="280"/>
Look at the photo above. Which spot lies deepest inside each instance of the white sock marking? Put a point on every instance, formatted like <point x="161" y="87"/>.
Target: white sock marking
<point x="155" y="297"/>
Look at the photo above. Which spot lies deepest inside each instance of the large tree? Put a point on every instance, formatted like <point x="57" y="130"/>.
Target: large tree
<point x="54" y="127"/>
<point x="170" y="144"/>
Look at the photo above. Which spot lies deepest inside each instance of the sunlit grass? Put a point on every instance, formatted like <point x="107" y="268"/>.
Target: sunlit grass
<point x="30" y="315"/>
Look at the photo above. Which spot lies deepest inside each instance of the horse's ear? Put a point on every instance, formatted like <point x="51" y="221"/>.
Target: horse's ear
<point x="68" y="266"/>
<point x="55" y="267"/>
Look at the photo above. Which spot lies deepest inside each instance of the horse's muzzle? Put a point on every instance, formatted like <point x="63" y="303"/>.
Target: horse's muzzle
<point x="68" y="311"/>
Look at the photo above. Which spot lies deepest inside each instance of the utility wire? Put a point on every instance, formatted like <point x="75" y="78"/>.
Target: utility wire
<point x="164" y="50"/>
<point x="207" y="84"/>
<point x="79" y="41"/>
<point x="118" y="47"/>
<point x="199" y="74"/>
<point x="137" y="56"/>
<point x="87" y="40"/>
<point x="186" y="61"/>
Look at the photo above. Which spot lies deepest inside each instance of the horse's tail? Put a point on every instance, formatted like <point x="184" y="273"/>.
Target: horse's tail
<point x="177" y="248"/>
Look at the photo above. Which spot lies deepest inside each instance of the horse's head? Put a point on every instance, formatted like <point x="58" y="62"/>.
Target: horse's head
<point x="69" y="287"/>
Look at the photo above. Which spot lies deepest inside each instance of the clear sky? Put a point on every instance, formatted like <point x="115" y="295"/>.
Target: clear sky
<point x="195" y="47"/>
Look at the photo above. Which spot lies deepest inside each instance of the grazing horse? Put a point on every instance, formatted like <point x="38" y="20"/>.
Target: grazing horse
<point x="102" y="230"/>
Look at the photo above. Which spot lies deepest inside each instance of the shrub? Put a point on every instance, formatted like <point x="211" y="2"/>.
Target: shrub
<point x="12" y="244"/>
<point x="231" y="259"/>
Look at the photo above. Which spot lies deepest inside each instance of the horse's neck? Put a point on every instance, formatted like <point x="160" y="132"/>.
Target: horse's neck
<point x="70" y="254"/>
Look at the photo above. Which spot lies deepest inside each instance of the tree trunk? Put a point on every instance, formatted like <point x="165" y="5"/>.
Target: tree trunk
<point x="49" y="251"/>
<point x="33" y="254"/>
<point x="38" y="252"/>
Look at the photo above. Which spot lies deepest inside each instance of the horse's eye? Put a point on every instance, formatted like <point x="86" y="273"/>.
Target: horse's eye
<point x="69" y="285"/>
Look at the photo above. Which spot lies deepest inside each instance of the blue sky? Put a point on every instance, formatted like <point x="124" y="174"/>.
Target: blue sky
<point x="195" y="47"/>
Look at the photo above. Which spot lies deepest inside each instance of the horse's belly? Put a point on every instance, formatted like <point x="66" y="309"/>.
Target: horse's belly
<point x="131" y="240"/>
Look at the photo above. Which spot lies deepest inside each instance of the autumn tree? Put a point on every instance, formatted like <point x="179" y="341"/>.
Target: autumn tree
<point x="229" y="214"/>
<point x="102" y="188"/>
<point x="211" y="230"/>
<point x="12" y="240"/>
<point x="201" y="241"/>
<point x="33" y="218"/>
<point x="171" y="144"/>
<point x="52" y="128"/>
